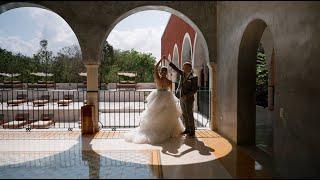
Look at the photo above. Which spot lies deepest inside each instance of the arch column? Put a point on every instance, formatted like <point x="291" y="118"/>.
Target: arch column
<point x="93" y="92"/>
<point x="213" y="95"/>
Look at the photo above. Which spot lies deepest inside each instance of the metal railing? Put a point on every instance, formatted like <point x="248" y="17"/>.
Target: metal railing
<point x="121" y="109"/>
<point x="61" y="109"/>
<point x="41" y="109"/>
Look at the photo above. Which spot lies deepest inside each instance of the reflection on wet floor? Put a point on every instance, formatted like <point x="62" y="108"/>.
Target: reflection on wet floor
<point x="77" y="162"/>
<point x="107" y="155"/>
<point x="86" y="164"/>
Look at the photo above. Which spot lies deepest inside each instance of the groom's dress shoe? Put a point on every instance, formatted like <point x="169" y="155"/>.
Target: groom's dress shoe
<point x="191" y="134"/>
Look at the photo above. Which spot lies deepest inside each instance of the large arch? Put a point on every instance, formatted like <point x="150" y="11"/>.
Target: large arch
<point x="175" y="59"/>
<point x="175" y="56"/>
<point x="160" y="8"/>
<point x="198" y="55"/>
<point x="201" y="38"/>
<point x="246" y="87"/>
<point x="186" y="49"/>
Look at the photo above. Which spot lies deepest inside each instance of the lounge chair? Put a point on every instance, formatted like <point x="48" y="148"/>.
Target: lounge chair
<point x="47" y="84"/>
<point x="2" y="120"/>
<point x="20" y="120"/>
<point x="44" y="99"/>
<point x="43" y="84"/>
<point x="67" y="99"/>
<point x="45" y="122"/>
<point x="12" y="84"/>
<point x="21" y="98"/>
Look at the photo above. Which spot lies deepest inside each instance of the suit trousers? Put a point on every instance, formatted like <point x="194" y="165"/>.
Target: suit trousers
<point x="187" y="114"/>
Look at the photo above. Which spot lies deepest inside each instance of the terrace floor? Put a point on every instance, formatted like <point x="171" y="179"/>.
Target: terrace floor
<point x="67" y="154"/>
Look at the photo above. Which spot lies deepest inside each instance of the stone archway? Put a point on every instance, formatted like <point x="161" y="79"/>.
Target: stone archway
<point x="200" y="37"/>
<point x="246" y="90"/>
<point x="175" y="57"/>
<point x="161" y="8"/>
<point x="175" y="60"/>
<point x="32" y="87"/>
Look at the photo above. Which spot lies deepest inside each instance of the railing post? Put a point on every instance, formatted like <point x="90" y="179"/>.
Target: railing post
<point x="213" y="95"/>
<point x="93" y="92"/>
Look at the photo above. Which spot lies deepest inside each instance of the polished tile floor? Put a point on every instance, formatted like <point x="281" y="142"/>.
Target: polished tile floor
<point x="64" y="154"/>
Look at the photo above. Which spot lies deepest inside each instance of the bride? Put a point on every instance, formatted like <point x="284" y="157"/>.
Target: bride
<point x="160" y="120"/>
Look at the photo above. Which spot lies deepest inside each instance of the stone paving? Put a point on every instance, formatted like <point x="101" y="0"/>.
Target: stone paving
<point x="63" y="154"/>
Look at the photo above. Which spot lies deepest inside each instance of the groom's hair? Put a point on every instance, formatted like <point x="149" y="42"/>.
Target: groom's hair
<point x="188" y="63"/>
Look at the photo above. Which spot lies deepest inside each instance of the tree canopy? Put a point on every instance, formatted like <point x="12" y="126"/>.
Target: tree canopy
<point x="67" y="64"/>
<point x="261" y="78"/>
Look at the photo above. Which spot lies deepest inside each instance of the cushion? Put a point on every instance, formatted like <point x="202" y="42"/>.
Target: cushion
<point x="16" y="82"/>
<point x="40" y="102"/>
<point x="132" y="82"/>
<point x="16" y="101"/>
<point x="65" y="101"/>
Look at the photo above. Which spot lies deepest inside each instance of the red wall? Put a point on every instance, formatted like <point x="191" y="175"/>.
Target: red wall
<point x="173" y="34"/>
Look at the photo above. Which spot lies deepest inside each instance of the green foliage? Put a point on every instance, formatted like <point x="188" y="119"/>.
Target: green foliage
<point x="261" y="78"/>
<point x="67" y="64"/>
<point x="114" y="61"/>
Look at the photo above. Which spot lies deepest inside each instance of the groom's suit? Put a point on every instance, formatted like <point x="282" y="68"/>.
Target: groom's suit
<point x="187" y="87"/>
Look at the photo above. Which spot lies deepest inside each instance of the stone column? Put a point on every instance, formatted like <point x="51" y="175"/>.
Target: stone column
<point x="213" y="95"/>
<point x="93" y="92"/>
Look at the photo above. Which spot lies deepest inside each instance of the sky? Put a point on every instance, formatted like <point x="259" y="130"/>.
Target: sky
<point x="22" y="29"/>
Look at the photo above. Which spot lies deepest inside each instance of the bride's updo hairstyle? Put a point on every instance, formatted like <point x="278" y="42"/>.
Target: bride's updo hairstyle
<point x="164" y="71"/>
<point x="163" y="68"/>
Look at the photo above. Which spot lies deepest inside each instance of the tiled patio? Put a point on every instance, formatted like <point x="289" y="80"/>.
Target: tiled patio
<point x="63" y="154"/>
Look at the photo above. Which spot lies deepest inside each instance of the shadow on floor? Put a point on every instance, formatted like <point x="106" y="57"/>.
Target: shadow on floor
<point x="171" y="148"/>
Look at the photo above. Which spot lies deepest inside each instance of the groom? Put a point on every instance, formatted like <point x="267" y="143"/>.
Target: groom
<point x="188" y="86"/>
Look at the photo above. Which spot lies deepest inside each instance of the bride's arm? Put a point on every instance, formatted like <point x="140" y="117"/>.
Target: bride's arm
<point x="155" y="71"/>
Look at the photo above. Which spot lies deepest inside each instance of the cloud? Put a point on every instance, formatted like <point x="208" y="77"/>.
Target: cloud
<point x="52" y="27"/>
<point x="146" y="39"/>
<point x="47" y="25"/>
<point x="16" y="45"/>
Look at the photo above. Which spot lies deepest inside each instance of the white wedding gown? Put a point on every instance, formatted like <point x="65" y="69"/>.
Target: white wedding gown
<point x="159" y="121"/>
